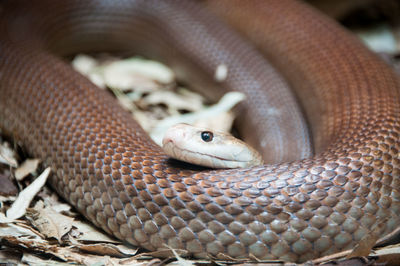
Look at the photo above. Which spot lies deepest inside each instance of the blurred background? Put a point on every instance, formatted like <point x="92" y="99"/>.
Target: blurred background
<point x="377" y="22"/>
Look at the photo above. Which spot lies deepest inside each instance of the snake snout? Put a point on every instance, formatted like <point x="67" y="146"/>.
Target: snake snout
<point x="167" y="140"/>
<point x="174" y="135"/>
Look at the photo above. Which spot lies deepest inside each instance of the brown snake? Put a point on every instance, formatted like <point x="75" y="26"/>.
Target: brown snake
<point x="103" y="163"/>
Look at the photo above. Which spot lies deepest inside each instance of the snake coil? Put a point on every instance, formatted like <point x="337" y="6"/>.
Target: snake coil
<point x="295" y="208"/>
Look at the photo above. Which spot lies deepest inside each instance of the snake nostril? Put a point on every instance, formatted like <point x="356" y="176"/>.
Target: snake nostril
<point x="167" y="140"/>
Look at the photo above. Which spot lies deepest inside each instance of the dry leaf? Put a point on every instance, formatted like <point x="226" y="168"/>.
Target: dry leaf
<point x="84" y="64"/>
<point x="221" y="73"/>
<point x="366" y="243"/>
<point x="87" y="232"/>
<point x="174" y="101"/>
<point x="31" y="259"/>
<point x="389" y="255"/>
<point x="17" y="230"/>
<point x="5" y="199"/>
<point x="331" y="257"/>
<point x="106" y="249"/>
<point x="27" y="167"/>
<point x="9" y="256"/>
<point x="61" y="207"/>
<point x="71" y="254"/>
<point x="123" y="74"/>
<point x="161" y="253"/>
<point x="124" y="100"/>
<point x="181" y="261"/>
<point x="88" y="66"/>
<point x="26" y="238"/>
<point x="226" y="103"/>
<point x="131" y="81"/>
<point x="128" y="74"/>
<point x="25" y="197"/>
<point x="190" y="94"/>
<point x="222" y="122"/>
<point x="20" y="235"/>
<point x="51" y="198"/>
<point x="49" y="222"/>
<point x="379" y="38"/>
<point x="146" y="121"/>
<point x="392" y="249"/>
<point x="7" y="155"/>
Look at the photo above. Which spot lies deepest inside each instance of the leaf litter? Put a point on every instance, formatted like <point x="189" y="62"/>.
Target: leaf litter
<point x="149" y="90"/>
<point x="52" y="233"/>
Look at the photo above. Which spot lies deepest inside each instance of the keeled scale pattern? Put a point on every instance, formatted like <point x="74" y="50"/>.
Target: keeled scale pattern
<point x="107" y="167"/>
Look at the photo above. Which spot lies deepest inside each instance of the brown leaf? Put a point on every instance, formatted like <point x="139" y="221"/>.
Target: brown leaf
<point x="106" y="249"/>
<point x="19" y="235"/>
<point x="49" y="222"/>
<point x="366" y="243"/>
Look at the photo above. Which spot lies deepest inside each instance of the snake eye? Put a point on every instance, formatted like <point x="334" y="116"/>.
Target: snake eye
<point x="207" y="136"/>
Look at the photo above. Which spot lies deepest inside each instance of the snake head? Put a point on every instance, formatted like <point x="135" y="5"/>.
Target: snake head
<point x="208" y="148"/>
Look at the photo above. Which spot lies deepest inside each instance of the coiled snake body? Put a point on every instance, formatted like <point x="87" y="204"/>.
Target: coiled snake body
<point x="292" y="209"/>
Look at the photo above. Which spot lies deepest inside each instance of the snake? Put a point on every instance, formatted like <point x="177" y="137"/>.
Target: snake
<point x="321" y="108"/>
<point x="207" y="147"/>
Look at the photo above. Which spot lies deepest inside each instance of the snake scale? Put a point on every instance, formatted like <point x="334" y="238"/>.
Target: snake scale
<point x="307" y="201"/>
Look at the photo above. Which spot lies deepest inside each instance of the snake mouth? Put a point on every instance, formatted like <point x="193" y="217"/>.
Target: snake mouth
<point x="195" y="157"/>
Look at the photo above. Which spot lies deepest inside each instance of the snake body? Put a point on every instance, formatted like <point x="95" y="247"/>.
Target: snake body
<point x="295" y="208"/>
